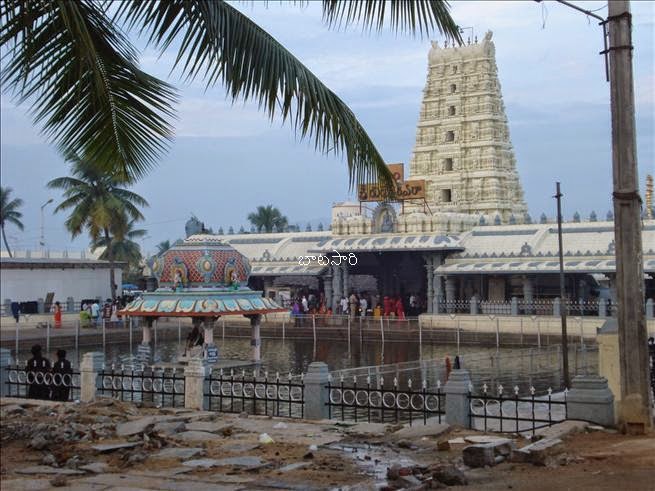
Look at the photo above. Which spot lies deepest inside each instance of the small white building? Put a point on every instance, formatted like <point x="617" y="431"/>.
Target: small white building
<point x="28" y="278"/>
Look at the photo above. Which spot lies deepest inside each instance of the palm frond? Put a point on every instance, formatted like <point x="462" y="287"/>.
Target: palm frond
<point x="422" y="16"/>
<point x="220" y="44"/>
<point x="81" y="77"/>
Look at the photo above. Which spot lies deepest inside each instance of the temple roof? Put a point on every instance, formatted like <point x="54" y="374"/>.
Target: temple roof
<point x="195" y="302"/>
<point x="391" y="242"/>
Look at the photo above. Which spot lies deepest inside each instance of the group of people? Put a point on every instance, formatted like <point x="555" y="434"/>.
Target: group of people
<point x="362" y="306"/>
<point x="357" y="305"/>
<point x="92" y="314"/>
<point x="309" y="304"/>
<point x="54" y="388"/>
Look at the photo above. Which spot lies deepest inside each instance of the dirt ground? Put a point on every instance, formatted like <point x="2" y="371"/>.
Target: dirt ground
<point x="593" y="461"/>
<point x="325" y="455"/>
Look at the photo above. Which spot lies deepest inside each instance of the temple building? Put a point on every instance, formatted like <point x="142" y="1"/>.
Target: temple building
<point x="463" y="236"/>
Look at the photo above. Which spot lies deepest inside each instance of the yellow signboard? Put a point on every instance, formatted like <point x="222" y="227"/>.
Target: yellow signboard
<point x="404" y="190"/>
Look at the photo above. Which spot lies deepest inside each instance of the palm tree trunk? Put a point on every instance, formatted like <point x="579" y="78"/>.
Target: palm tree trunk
<point x="110" y="258"/>
<point x="4" y="238"/>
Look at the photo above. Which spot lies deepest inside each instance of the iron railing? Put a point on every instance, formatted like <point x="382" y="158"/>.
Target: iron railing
<point x="256" y="394"/>
<point x="514" y="413"/>
<point x="45" y="385"/>
<point x="159" y="386"/>
<point x="375" y="402"/>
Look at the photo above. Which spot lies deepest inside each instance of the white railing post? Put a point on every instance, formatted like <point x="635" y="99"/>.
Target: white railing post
<point x="92" y="364"/>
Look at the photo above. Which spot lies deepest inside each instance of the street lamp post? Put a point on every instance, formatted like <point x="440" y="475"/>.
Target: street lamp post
<point x="42" y="241"/>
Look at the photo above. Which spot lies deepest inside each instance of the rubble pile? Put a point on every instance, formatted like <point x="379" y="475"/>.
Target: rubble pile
<point x="111" y="442"/>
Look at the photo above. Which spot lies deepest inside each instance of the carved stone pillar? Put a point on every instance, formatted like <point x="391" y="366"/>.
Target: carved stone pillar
<point x="327" y="284"/>
<point x="450" y="292"/>
<point x="528" y="294"/>
<point x="438" y="296"/>
<point x="336" y="288"/>
<point x="430" y="275"/>
<point x="346" y="279"/>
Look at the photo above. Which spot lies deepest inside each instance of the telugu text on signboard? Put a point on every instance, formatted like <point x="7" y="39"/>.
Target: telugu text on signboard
<point x="405" y="190"/>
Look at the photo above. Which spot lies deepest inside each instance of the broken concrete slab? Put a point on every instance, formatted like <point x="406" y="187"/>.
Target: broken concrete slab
<point x="203" y="463"/>
<point x="135" y="427"/>
<point x="483" y="438"/>
<point x="293" y="467"/>
<point x="481" y="454"/>
<point x="169" y="427"/>
<point x="210" y="426"/>
<point x="537" y="453"/>
<point x="432" y="428"/>
<point x="178" y="453"/>
<point x="95" y="467"/>
<point x="170" y="473"/>
<point x="194" y="436"/>
<point x="457" y="441"/>
<point x="230" y="479"/>
<point x="372" y="429"/>
<point x="560" y="430"/>
<point x="110" y="447"/>
<point x="247" y="462"/>
<point x="46" y="469"/>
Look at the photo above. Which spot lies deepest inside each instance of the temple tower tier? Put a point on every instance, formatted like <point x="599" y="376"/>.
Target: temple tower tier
<point x="463" y="148"/>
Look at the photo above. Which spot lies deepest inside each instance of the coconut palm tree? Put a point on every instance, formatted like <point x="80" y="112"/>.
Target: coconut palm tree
<point x="9" y="213"/>
<point x="163" y="246"/>
<point x="122" y="245"/>
<point x="97" y="204"/>
<point x="266" y="218"/>
<point x="74" y="64"/>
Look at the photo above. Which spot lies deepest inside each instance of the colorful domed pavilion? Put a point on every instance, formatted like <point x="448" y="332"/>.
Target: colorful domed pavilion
<point x="204" y="279"/>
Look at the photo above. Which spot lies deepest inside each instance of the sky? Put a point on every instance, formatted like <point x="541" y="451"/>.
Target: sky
<point x="227" y="158"/>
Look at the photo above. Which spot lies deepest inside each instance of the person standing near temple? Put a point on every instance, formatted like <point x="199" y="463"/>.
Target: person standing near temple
<point x="400" y="308"/>
<point x="363" y="306"/>
<point x="57" y="315"/>
<point x="305" y="305"/>
<point x="36" y="368"/>
<point x="343" y="304"/>
<point x="62" y="377"/>
<point x="95" y="312"/>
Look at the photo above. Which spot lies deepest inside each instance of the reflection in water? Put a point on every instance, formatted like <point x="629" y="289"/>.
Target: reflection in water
<point x="296" y="355"/>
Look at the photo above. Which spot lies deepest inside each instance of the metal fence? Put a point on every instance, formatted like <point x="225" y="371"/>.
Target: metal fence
<point x="514" y="413"/>
<point x="375" y="402"/>
<point x="46" y="385"/>
<point x="541" y="368"/>
<point x="256" y="394"/>
<point x="161" y="387"/>
<point x="538" y="306"/>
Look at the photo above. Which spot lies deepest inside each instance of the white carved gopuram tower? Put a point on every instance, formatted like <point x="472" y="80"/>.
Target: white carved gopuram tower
<point x="463" y="149"/>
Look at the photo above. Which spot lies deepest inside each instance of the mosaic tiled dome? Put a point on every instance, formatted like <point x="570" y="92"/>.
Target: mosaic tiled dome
<point x="201" y="264"/>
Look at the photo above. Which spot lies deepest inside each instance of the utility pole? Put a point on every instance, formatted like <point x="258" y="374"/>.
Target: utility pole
<point x="633" y="353"/>
<point x="42" y="241"/>
<point x="562" y="292"/>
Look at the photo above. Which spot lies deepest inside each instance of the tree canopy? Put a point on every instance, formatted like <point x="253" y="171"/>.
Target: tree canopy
<point x="75" y="65"/>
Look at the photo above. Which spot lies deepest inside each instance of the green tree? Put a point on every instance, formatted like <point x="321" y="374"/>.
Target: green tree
<point x="97" y="204"/>
<point x="163" y="246"/>
<point x="9" y="213"/>
<point x="74" y="64"/>
<point x="122" y="242"/>
<point x="266" y="218"/>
